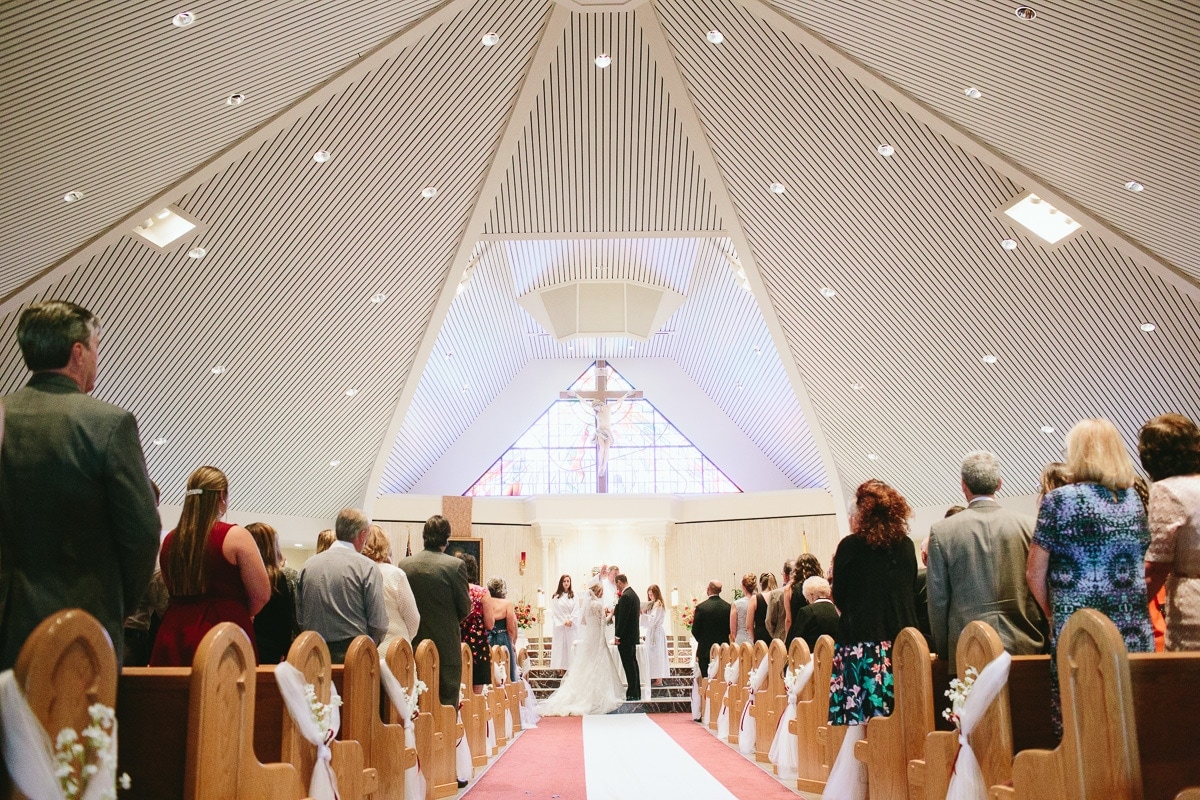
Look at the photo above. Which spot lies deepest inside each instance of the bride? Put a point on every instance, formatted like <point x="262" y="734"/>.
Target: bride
<point x="592" y="685"/>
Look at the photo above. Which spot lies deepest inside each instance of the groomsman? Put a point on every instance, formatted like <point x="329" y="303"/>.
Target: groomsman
<point x="626" y="635"/>
<point x="711" y="624"/>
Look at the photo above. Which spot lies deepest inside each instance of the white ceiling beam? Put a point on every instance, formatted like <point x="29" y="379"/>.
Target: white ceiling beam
<point x="599" y="236"/>
<point x="537" y="72"/>
<point x="820" y="47"/>
<point x="370" y="61"/>
<point x="706" y="162"/>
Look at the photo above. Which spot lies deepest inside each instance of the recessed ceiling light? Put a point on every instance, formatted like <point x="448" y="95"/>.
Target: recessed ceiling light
<point x="872" y="456"/>
<point x="828" y="293"/>
<point x="235" y="99"/>
<point x="571" y="347"/>
<point x="1148" y="327"/>
<point x="71" y="197"/>
<point x="334" y="463"/>
<point x="739" y="387"/>
<point x="197" y="252"/>
<point x="1026" y="13"/>
<point x="777" y="188"/>
<point x="1047" y="429"/>
<point x="757" y="350"/>
<point x="183" y="19"/>
<point x="378" y="298"/>
<point x="321" y="156"/>
<point x="299" y="545"/>
<point x="429" y="192"/>
<point x="886" y="150"/>
<point x="856" y="386"/>
<point x="166" y="226"/>
<point x="466" y="388"/>
<point x="351" y="392"/>
<point x="631" y="347"/>
<point x="218" y="370"/>
<point x="1134" y="186"/>
<point x="715" y="36"/>
<point x="989" y="359"/>
<point x="1009" y="244"/>
<point x="158" y="441"/>
<point x="490" y="39"/>
<point x="449" y="354"/>
<point x="1041" y="219"/>
<point x="603" y="60"/>
<point x="972" y="93"/>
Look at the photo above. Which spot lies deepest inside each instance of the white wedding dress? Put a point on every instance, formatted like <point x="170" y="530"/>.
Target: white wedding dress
<point x="592" y="685"/>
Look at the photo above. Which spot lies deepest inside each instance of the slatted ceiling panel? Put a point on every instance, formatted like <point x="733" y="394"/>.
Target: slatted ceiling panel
<point x="88" y="106"/>
<point x="603" y="150"/>
<point x="660" y="262"/>
<point x="1054" y="99"/>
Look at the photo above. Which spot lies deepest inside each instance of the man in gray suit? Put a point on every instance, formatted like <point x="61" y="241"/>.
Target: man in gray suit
<point x="78" y="524"/>
<point x="976" y="568"/>
<point x="440" y="588"/>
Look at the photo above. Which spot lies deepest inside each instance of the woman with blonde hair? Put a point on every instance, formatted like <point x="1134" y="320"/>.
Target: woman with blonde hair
<point x="1090" y="543"/>
<point x="398" y="600"/>
<point x="657" y="664"/>
<point x="212" y="569"/>
<point x="275" y="624"/>
<point x="740" y="621"/>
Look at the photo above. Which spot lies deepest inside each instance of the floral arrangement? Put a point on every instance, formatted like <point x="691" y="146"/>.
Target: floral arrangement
<point x="413" y="695"/>
<point x="791" y="681"/>
<point x="687" y="614"/>
<point x="526" y="619"/>
<point x="738" y="594"/>
<point x="322" y="713"/>
<point x="958" y="693"/>
<point x="79" y="759"/>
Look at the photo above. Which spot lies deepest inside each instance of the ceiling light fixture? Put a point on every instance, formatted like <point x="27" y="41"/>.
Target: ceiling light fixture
<point x="757" y="350"/>
<point x="351" y="392"/>
<point x="989" y="359"/>
<point x="71" y="197"/>
<point x="490" y="39"/>
<point x="158" y="441"/>
<point x="321" y="156"/>
<point x="1009" y="244"/>
<point x="872" y="456"/>
<point x="429" y="192"/>
<point x="1047" y="429"/>
<point x="1134" y="186"/>
<point x="1148" y="327"/>
<point x="197" y="252"/>
<point x="235" y="99"/>
<point x="603" y="60"/>
<point x="886" y="150"/>
<point x="378" y="298"/>
<point x="166" y="226"/>
<point x="1040" y="218"/>
<point x="972" y="93"/>
<point x="466" y="388"/>
<point x="218" y="370"/>
<point x="183" y="19"/>
<point x="1026" y="13"/>
<point x="334" y="463"/>
<point x="856" y="386"/>
<point x="299" y="545"/>
<point x="828" y="293"/>
<point x="715" y="36"/>
<point x="777" y="188"/>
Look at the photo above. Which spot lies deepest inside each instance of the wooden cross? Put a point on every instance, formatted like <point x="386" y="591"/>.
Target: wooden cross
<point x="599" y="399"/>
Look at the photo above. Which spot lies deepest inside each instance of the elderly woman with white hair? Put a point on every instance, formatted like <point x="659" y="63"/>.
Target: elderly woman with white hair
<point x="820" y="617"/>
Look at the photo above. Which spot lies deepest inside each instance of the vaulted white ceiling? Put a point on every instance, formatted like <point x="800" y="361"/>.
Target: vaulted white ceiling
<point x="656" y="170"/>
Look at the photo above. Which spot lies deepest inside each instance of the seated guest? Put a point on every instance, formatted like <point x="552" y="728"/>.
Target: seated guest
<point x="820" y="617"/>
<point x="757" y="614"/>
<point x="1169" y="446"/>
<point x="504" y="622"/>
<point x="403" y="617"/>
<point x="274" y="626"/>
<point x="213" y="572"/>
<point x="740" y="621"/>
<point x="807" y="566"/>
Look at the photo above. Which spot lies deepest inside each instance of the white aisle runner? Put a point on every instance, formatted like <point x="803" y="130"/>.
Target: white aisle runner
<point x="629" y="756"/>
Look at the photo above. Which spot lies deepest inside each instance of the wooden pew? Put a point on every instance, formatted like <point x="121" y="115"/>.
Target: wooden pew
<point x="382" y="744"/>
<point x="770" y="700"/>
<point x="475" y="714"/>
<point x="403" y="664"/>
<point x="797" y="656"/>
<point x="65" y="665"/>
<point x="716" y="684"/>
<point x="736" y="690"/>
<point x="501" y="670"/>
<point x="818" y="746"/>
<point x="892" y="741"/>
<point x="441" y="774"/>
<point x="497" y="704"/>
<point x="991" y="741"/>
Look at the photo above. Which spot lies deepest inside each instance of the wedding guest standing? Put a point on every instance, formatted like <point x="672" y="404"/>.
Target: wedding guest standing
<point x="565" y="610"/>
<point x="404" y="618"/>
<point x="275" y="625"/>
<point x="710" y="624"/>
<point x="739" y="615"/>
<point x="504" y="627"/>
<point x="475" y="626"/>
<point x="657" y="664"/>
<point x="758" y="608"/>
<point x="806" y="567"/>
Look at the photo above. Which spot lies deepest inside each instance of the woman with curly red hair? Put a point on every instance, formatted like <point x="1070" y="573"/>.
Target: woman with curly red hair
<point x="874" y="587"/>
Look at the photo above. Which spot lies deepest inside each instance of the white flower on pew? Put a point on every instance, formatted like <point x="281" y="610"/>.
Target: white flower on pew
<point x="958" y="693"/>
<point x="731" y="672"/>
<point x="77" y="760"/>
<point x="413" y="695"/>
<point x="791" y="682"/>
<point x="322" y="713"/>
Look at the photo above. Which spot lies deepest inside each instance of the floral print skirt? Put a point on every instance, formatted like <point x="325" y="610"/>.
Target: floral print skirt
<point x="860" y="686"/>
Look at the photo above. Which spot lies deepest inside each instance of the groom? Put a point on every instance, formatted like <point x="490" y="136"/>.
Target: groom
<point x="626" y="634"/>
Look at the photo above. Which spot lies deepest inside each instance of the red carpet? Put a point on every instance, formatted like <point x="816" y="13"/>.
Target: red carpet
<point x="735" y="772"/>
<point x="544" y="763"/>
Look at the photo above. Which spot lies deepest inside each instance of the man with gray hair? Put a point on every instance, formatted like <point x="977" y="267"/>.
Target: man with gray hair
<point x="341" y="591"/>
<point x="976" y="568"/>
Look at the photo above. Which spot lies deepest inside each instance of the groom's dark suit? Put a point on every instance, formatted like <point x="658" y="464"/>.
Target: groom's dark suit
<point x="627" y="632"/>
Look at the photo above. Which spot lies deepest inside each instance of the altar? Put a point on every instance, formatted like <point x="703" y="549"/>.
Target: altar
<point x="615" y="655"/>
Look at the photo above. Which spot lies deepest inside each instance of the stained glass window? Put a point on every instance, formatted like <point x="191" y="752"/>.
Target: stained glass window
<point x="565" y="451"/>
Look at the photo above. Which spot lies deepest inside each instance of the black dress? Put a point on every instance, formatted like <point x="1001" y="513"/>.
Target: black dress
<point x="798" y="602"/>
<point x="760" y="619"/>
<point x="275" y="625"/>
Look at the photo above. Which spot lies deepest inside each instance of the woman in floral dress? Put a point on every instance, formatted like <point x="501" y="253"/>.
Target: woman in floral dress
<point x="475" y="625"/>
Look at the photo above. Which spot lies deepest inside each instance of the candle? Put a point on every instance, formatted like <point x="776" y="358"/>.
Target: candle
<point x="674" y="596"/>
<point x="541" y="599"/>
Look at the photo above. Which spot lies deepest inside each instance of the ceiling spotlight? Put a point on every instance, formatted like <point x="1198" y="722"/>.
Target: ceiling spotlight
<point x="235" y="99"/>
<point x="158" y="441"/>
<point x="1009" y="244"/>
<point x="466" y="388"/>
<point x="1148" y="327"/>
<point x="571" y="347"/>
<point x="71" y="197"/>
<point x="757" y="350"/>
<point x="429" y="192"/>
<point x="603" y="60"/>
<point x="989" y="359"/>
<point x="828" y="293"/>
<point x="197" y="252"/>
<point x="872" y="456"/>
<point x="1026" y="13"/>
<point x="972" y="93"/>
<point x="856" y="386"/>
<point x="334" y="463"/>
<point x="351" y="392"/>
<point x="321" y="156"/>
<point x="777" y="188"/>
<point x="378" y="298"/>
<point x="1134" y="186"/>
<point x="490" y="39"/>
<point x="715" y="36"/>
<point x="1047" y="429"/>
<point x="183" y="19"/>
<point x="218" y="370"/>
<point x="885" y="150"/>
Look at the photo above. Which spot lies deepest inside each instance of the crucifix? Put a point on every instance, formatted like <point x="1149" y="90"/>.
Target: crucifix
<point x="598" y="400"/>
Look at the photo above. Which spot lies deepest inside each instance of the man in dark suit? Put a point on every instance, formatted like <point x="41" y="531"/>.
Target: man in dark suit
<point x="626" y="633"/>
<point x="976" y="568"/>
<point x="710" y="625"/>
<point x="78" y="523"/>
<point x="440" y="589"/>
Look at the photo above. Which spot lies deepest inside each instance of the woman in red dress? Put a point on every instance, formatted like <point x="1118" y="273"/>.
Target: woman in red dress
<point x="213" y="572"/>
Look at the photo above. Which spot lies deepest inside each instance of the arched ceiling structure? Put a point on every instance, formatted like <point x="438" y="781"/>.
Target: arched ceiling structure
<point x="655" y="170"/>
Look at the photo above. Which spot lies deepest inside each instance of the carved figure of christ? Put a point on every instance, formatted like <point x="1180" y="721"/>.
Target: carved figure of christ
<point x="598" y="399"/>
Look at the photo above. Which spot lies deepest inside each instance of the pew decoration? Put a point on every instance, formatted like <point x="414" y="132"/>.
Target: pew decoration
<point x="748" y="726"/>
<point x="971" y="699"/>
<point x="406" y="704"/>
<point x="464" y="760"/>
<point x="848" y="776"/>
<point x="500" y="684"/>
<point x="731" y="676"/>
<point x="317" y="722"/>
<point x="784" y="752"/>
<point x="528" y="709"/>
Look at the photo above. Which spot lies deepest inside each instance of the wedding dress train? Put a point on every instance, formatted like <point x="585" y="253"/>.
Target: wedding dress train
<point x="592" y="684"/>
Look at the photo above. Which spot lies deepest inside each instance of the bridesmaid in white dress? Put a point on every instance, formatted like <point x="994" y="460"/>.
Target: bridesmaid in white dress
<point x="656" y="636"/>
<point x="565" y="610"/>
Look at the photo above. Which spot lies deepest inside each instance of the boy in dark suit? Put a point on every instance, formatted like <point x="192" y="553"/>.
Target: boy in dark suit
<point x="626" y="632"/>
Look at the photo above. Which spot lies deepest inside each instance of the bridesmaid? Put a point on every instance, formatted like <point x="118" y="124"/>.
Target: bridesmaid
<point x="565" y="610"/>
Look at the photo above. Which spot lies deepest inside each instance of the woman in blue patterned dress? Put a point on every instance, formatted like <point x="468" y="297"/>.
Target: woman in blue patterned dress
<point x="1090" y="543"/>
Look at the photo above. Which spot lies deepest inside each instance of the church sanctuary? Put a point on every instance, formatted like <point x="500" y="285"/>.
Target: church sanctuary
<point x="687" y="322"/>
